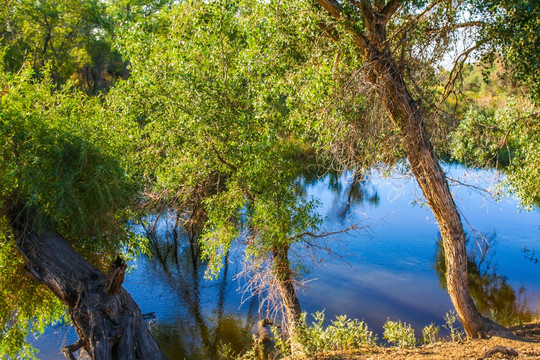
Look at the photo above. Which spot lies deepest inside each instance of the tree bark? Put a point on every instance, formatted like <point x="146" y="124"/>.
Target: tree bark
<point x="285" y="280"/>
<point x="407" y="117"/>
<point x="109" y="323"/>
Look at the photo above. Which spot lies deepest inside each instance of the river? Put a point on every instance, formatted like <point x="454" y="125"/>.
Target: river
<point x="388" y="269"/>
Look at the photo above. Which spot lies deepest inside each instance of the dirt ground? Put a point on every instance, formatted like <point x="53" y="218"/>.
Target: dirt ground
<point x="527" y="347"/>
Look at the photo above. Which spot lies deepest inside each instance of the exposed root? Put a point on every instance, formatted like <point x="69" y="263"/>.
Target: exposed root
<point x="508" y="351"/>
<point x="491" y="328"/>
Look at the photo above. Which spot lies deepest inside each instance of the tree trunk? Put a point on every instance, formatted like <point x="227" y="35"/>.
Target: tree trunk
<point x="285" y="280"/>
<point x="407" y="117"/>
<point x="109" y="323"/>
<point x="406" y="114"/>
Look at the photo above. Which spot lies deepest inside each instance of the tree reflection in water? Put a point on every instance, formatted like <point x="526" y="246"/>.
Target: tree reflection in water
<point x="357" y="192"/>
<point x="491" y="292"/>
<point x="350" y="188"/>
<point x="197" y="333"/>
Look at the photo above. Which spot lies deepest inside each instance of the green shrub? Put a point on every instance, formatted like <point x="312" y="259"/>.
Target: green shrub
<point x="225" y="351"/>
<point x="312" y="339"/>
<point x="455" y="334"/>
<point x="429" y="333"/>
<point x="283" y="345"/>
<point x="400" y="334"/>
<point x="346" y="334"/>
<point x="342" y="334"/>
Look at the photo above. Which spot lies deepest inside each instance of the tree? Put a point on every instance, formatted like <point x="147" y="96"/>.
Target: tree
<point x="63" y="189"/>
<point x="506" y="136"/>
<point x="489" y="289"/>
<point x="381" y="31"/>
<point x="211" y="137"/>
<point x="507" y="139"/>
<point x="510" y="32"/>
<point x="72" y="37"/>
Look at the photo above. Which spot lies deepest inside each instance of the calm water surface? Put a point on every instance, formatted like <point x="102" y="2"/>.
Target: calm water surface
<point x="388" y="270"/>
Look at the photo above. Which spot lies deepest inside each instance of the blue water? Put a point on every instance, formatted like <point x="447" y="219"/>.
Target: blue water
<point x="386" y="269"/>
<point x="392" y="267"/>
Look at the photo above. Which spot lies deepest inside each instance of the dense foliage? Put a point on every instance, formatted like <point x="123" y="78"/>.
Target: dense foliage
<point x="59" y="172"/>
<point x="218" y="109"/>
<point x="511" y="32"/>
<point x="509" y="139"/>
<point x="207" y="105"/>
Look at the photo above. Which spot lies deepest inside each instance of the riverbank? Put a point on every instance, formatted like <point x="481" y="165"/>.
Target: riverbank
<point x="527" y="346"/>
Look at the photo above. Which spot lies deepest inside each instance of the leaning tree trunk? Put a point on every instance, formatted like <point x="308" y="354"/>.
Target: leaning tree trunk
<point x="285" y="280"/>
<point x="109" y="323"/>
<point x="407" y="117"/>
<point x="406" y="114"/>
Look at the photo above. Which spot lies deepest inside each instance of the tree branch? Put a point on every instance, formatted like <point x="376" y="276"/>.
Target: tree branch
<point x="467" y="24"/>
<point x="115" y="276"/>
<point x="456" y="70"/>
<point x="369" y="13"/>
<point x="390" y="9"/>
<point x="331" y="6"/>
<point x="222" y="159"/>
<point x="325" y="234"/>
<point x="407" y="25"/>
<point x="334" y="8"/>
<point x="70" y="349"/>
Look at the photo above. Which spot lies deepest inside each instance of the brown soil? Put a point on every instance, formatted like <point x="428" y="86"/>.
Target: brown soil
<point x="527" y="346"/>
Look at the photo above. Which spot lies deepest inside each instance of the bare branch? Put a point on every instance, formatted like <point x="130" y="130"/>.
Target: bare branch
<point x="379" y="4"/>
<point x="332" y="7"/>
<point x="153" y="227"/>
<point x="456" y="70"/>
<point x="326" y="234"/>
<point x="480" y="190"/>
<point x="233" y="167"/>
<point x="368" y="11"/>
<point x="115" y="276"/>
<point x="468" y="24"/>
<point x="70" y="349"/>
<point x="407" y="25"/>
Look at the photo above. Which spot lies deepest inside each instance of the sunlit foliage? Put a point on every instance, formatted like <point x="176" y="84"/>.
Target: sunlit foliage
<point x="508" y="138"/>
<point x="511" y="31"/>
<point x="206" y="105"/>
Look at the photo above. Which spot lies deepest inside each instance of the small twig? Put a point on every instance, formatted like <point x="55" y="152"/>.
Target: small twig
<point x="325" y="234"/>
<point x="466" y="24"/>
<point x="478" y="189"/>
<point x="150" y="315"/>
<point x="409" y="24"/>
<point x="456" y="71"/>
<point x="221" y="159"/>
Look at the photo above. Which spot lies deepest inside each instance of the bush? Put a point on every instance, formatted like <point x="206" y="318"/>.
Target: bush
<point x="342" y="334"/>
<point x="455" y="334"/>
<point x="429" y="333"/>
<point x="400" y="334"/>
<point x="346" y="334"/>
